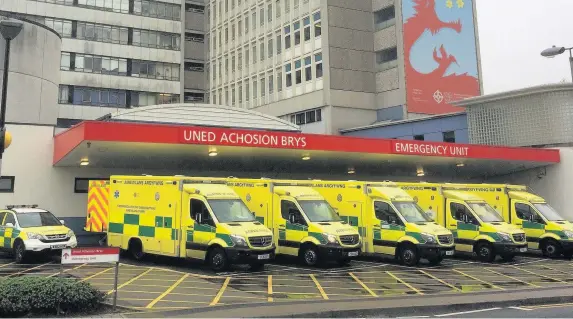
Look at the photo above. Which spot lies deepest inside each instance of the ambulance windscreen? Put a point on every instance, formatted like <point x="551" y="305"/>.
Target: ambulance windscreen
<point x="37" y="219"/>
<point x="412" y="212"/>
<point x="231" y="211"/>
<point x="485" y="212"/>
<point x="548" y="212"/>
<point x="319" y="211"/>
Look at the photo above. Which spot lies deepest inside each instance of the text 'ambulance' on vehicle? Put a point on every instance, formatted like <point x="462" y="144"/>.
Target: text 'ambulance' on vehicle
<point x="27" y="229"/>
<point x="545" y="229"/>
<point x="389" y="221"/>
<point x="303" y="223"/>
<point x="477" y="227"/>
<point x="200" y="218"/>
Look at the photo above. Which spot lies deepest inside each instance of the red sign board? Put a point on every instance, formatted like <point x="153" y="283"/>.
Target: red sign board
<point x="212" y="136"/>
<point x="430" y="149"/>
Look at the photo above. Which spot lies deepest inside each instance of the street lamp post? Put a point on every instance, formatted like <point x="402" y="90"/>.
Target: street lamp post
<point x="9" y="30"/>
<point x="555" y="51"/>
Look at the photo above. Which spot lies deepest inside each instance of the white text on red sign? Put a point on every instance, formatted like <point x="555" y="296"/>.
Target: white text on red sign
<point x="244" y="138"/>
<point x="430" y="149"/>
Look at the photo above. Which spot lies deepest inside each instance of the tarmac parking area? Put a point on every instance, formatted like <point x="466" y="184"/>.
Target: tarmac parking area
<point x="166" y="284"/>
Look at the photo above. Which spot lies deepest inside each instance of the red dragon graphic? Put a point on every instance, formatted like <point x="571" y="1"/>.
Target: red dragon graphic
<point x="431" y="93"/>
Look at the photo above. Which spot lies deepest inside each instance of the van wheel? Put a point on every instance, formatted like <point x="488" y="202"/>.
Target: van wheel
<point x="551" y="248"/>
<point x="136" y="249"/>
<point x="409" y="255"/>
<point x="19" y="252"/>
<point x="485" y="252"/>
<point x="435" y="260"/>
<point x="217" y="259"/>
<point x="508" y="257"/>
<point x="309" y="255"/>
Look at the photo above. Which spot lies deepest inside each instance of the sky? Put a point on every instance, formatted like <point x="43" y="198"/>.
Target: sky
<point x="512" y="35"/>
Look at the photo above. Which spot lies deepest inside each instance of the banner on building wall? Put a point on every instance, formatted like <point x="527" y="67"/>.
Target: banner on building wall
<point x="439" y="54"/>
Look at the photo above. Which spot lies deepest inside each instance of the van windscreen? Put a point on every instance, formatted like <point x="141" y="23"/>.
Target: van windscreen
<point x="319" y="211"/>
<point x="231" y="210"/>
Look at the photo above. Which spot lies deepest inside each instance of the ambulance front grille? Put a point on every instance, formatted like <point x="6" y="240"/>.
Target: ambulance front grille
<point x="349" y="239"/>
<point x="446" y="239"/>
<point x="261" y="241"/>
<point x="519" y="237"/>
<point x="54" y="238"/>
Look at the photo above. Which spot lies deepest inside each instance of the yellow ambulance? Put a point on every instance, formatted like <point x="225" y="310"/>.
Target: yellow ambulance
<point x="389" y="220"/>
<point x="477" y="227"/>
<point x="200" y="218"/>
<point x="303" y="223"/>
<point x="546" y="230"/>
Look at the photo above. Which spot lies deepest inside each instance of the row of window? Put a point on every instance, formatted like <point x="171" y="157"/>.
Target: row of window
<point x="217" y="8"/>
<point x="384" y="18"/>
<point x="113" y="34"/>
<point x="267" y="83"/>
<point x="118" y="66"/>
<point x="146" y="8"/>
<point x="289" y="39"/>
<point x="448" y="137"/>
<point x="76" y="95"/>
<point x="306" y="117"/>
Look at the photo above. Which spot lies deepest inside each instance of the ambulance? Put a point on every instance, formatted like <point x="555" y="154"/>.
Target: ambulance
<point x="389" y="220"/>
<point x="304" y="225"/>
<point x="178" y="216"/>
<point x="546" y="230"/>
<point x="477" y="227"/>
<point x="27" y="229"/>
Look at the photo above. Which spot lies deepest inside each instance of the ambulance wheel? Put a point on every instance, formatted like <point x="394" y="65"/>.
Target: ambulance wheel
<point x="257" y="266"/>
<point x="435" y="260"/>
<point x="19" y="251"/>
<point x="217" y="259"/>
<point x="484" y="252"/>
<point x="409" y="255"/>
<point x="551" y="248"/>
<point x="136" y="249"/>
<point x="309" y="255"/>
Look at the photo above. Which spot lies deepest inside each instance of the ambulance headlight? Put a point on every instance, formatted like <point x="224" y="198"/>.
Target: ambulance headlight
<point x="504" y="236"/>
<point x="71" y="234"/>
<point x="568" y="233"/>
<point x="429" y="238"/>
<point x="34" y="236"/>
<point x="331" y="239"/>
<point x="239" y="240"/>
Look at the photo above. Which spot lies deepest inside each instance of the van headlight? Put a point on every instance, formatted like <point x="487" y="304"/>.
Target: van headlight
<point x="504" y="236"/>
<point x="34" y="236"/>
<point x="568" y="233"/>
<point x="239" y="241"/>
<point x="71" y="234"/>
<point x="331" y="239"/>
<point x="429" y="238"/>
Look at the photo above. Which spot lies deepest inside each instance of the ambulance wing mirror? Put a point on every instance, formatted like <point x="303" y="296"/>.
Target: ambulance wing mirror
<point x="199" y="218"/>
<point x="62" y="221"/>
<point x="292" y="218"/>
<point x="9" y="225"/>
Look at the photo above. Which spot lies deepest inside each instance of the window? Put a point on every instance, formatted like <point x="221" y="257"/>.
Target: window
<point x="262" y="48"/>
<point x="306" y="22"/>
<point x="297" y="33"/>
<point x="460" y="213"/>
<point x="287" y="6"/>
<point x="279" y="42"/>
<point x="246" y="24"/>
<point x="418" y="137"/>
<point x="290" y="212"/>
<point x="307" y="68"/>
<point x="240" y="61"/>
<point x="287" y="38"/>
<point x="386" y="214"/>
<point x="156" y="39"/>
<point x="233" y="31"/>
<point x="240" y="93"/>
<point x="254" y="49"/>
<point x="263" y="87"/>
<point x="298" y="71"/>
<point x="10" y="219"/>
<point x="81" y="185"/>
<point x="278" y="8"/>
<point x="65" y="61"/>
<point x="200" y="213"/>
<point x="233" y="63"/>
<point x="270" y="48"/>
<point x="262" y="16"/>
<point x="254" y="20"/>
<point x="271" y="82"/>
<point x="387" y="55"/>
<point x="307" y="117"/>
<point x="247" y="91"/>
<point x="279" y="80"/>
<point x="7" y="184"/>
<point x="247" y="56"/>
<point x="449" y="137"/>
<point x="318" y="65"/>
<point x="64" y="94"/>
<point x="317" y="27"/>
<point x="226" y="35"/>
<point x="233" y="93"/>
<point x="385" y="17"/>
<point x="239" y="27"/>
<point x="270" y="12"/>
<point x="288" y="75"/>
<point x="255" y="89"/>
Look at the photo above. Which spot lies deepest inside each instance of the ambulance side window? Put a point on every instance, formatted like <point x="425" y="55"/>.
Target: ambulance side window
<point x="386" y="214"/>
<point x="460" y="213"/>
<point x="289" y="208"/>
<point x="198" y="208"/>
<point x="524" y="212"/>
<point x="9" y="219"/>
<point x="2" y="214"/>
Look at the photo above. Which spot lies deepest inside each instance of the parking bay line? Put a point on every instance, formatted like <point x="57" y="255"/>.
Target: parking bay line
<point x="440" y="280"/>
<point x="512" y="278"/>
<point x="66" y="270"/>
<point x="405" y="283"/>
<point x="28" y="269"/>
<point x="270" y="288"/>
<point x="543" y="276"/>
<point x="131" y="280"/>
<point x="170" y="289"/>
<point x="464" y="312"/>
<point x="363" y="285"/>
<point x="319" y="287"/>
<point x="221" y="291"/>
<point x="477" y="279"/>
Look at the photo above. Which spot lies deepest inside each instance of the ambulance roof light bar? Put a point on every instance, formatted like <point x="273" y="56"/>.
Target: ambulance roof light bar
<point x="21" y="206"/>
<point x="203" y="181"/>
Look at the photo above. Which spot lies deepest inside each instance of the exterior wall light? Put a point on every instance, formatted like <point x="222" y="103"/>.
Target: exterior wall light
<point x="84" y="162"/>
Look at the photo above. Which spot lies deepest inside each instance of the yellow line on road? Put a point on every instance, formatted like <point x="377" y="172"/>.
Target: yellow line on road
<point x="97" y="274"/>
<point x="512" y="278"/>
<point x="557" y="270"/>
<point x="405" y="283"/>
<point x="4" y="265"/>
<point x="477" y="279"/>
<point x="59" y="272"/>
<point x="363" y="285"/>
<point x="536" y="274"/>
<point x="440" y="280"/>
<point x="28" y="269"/>
<point x="170" y="289"/>
<point x="221" y="292"/>
<point x="318" y="286"/>
<point x="131" y="280"/>
<point x="270" y="288"/>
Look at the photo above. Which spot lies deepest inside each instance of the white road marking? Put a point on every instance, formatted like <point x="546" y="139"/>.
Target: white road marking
<point x="464" y="312"/>
<point x="529" y="262"/>
<point x="414" y="317"/>
<point x="519" y="308"/>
